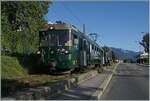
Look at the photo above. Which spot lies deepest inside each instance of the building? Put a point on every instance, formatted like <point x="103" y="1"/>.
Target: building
<point x="143" y="58"/>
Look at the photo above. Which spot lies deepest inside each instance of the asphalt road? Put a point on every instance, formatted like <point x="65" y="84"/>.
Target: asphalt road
<point x="130" y="82"/>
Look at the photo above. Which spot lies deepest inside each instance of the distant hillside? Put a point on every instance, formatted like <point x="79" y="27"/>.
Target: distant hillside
<point x="124" y="54"/>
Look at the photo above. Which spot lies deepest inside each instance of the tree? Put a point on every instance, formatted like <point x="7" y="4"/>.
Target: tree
<point x="145" y="42"/>
<point x="107" y="54"/>
<point x="114" y="57"/>
<point x="21" y="22"/>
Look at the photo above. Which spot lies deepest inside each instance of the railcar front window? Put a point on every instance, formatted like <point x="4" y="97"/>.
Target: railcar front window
<point x="60" y="39"/>
<point x="63" y="39"/>
<point x="55" y="39"/>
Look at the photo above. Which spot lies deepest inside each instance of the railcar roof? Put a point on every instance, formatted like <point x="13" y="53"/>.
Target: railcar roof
<point x="63" y="26"/>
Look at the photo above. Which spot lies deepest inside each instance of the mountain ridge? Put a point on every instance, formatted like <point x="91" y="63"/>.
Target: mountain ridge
<point x="124" y="54"/>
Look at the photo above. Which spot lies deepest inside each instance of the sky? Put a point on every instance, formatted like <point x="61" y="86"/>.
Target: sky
<point x="118" y="24"/>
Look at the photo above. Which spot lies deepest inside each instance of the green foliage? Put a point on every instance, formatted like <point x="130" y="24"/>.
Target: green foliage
<point x="147" y="61"/>
<point x="21" y="21"/>
<point x="11" y="68"/>
<point x="145" y="42"/>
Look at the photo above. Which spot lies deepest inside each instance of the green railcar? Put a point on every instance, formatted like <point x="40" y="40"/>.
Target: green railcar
<point x="64" y="47"/>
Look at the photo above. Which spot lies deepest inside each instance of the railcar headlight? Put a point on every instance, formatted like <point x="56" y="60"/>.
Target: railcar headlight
<point x="58" y="50"/>
<point x="63" y="50"/>
<point x="38" y="52"/>
<point x="66" y="52"/>
<point x="52" y="52"/>
<point x="51" y="27"/>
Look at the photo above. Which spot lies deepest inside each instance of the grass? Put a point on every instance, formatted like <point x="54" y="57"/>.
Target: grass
<point x="11" y="68"/>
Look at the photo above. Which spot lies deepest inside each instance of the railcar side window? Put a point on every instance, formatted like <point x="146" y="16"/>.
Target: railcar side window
<point x="84" y="44"/>
<point x="75" y="40"/>
<point x="92" y="47"/>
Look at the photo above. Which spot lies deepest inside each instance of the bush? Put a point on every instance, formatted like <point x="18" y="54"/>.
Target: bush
<point x="146" y="60"/>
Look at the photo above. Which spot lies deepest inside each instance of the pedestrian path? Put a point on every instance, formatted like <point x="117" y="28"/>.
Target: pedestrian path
<point x="85" y="90"/>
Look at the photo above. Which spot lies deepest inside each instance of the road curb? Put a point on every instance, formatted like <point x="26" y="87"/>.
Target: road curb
<point x="100" y="90"/>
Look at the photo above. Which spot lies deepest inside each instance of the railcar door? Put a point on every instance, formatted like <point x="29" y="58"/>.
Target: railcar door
<point x="82" y="51"/>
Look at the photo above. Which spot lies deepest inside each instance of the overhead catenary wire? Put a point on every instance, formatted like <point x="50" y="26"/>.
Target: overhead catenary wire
<point x="55" y="14"/>
<point x="76" y="17"/>
<point x="81" y="23"/>
<point x="70" y="12"/>
<point x="62" y="17"/>
<point x="59" y="16"/>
